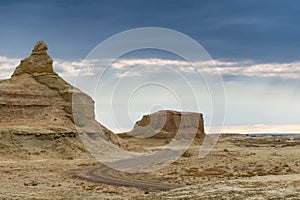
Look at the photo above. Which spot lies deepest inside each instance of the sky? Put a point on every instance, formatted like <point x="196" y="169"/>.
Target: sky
<point x="255" y="46"/>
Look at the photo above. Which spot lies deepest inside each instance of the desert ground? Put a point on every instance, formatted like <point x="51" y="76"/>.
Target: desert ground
<point x="239" y="167"/>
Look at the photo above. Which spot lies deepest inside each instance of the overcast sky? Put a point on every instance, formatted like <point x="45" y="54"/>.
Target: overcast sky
<point x="255" y="44"/>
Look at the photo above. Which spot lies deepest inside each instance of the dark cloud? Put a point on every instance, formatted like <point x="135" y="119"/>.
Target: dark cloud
<point x="257" y="30"/>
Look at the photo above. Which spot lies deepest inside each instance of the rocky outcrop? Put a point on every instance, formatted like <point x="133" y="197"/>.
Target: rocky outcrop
<point x="38" y="62"/>
<point x="167" y="123"/>
<point x="36" y="113"/>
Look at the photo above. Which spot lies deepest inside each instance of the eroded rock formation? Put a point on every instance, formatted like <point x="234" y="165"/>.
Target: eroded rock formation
<point x="168" y="123"/>
<point x="36" y="113"/>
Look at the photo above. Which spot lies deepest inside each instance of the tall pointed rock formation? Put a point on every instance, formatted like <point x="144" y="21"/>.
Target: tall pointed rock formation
<point x="36" y="114"/>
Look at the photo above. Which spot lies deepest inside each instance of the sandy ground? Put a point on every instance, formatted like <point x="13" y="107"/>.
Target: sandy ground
<point x="237" y="168"/>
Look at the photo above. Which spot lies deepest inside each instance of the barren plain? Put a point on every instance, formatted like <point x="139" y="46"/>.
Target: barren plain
<point x="237" y="168"/>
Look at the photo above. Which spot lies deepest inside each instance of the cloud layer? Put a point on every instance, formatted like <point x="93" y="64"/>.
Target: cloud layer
<point x="132" y="67"/>
<point x="243" y="68"/>
<point x="7" y="66"/>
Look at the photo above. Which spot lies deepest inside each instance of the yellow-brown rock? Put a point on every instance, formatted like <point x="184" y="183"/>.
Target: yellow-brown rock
<point x="36" y="113"/>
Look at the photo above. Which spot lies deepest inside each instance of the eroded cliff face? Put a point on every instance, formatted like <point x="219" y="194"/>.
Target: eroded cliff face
<point x="36" y="113"/>
<point x="168" y="123"/>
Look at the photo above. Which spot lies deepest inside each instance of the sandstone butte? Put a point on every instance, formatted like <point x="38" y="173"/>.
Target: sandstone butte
<point x="36" y="115"/>
<point x="166" y="124"/>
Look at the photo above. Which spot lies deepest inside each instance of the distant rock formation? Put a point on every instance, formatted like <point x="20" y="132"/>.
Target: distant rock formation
<point x="36" y="113"/>
<point x="167" y="123"/>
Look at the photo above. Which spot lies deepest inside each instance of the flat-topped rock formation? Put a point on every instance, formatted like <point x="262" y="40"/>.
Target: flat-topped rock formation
<point x="167" y="123"/>
<point x="36" y="109"/>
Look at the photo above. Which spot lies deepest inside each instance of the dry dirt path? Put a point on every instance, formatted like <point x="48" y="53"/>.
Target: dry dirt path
<point x="108" y="175"/>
